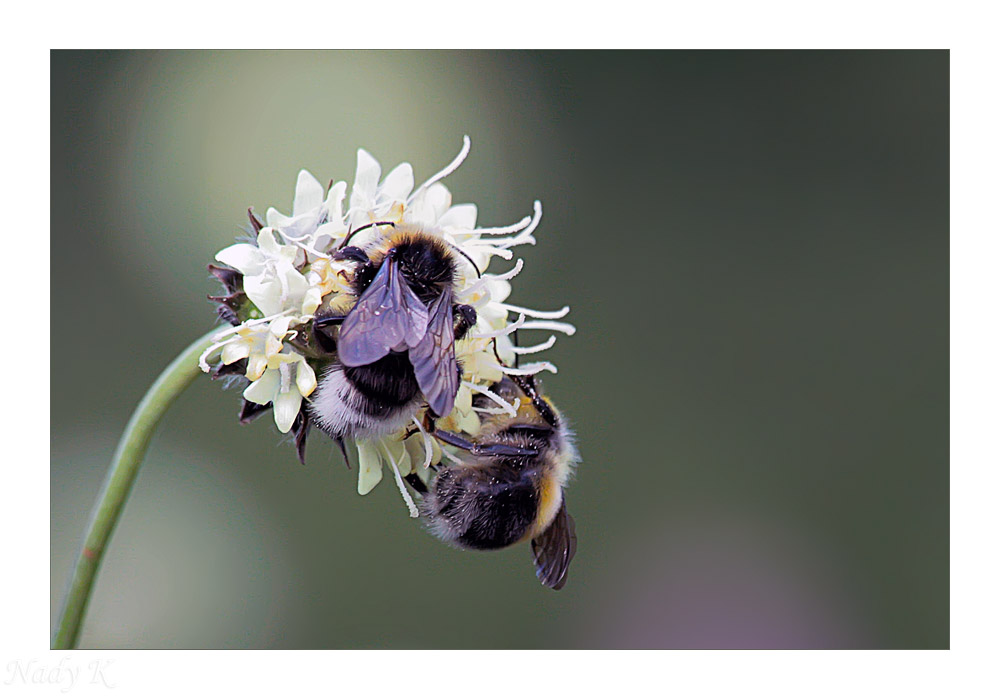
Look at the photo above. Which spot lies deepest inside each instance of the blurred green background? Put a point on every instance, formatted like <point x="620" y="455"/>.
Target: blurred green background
<point x="755" y="247"/>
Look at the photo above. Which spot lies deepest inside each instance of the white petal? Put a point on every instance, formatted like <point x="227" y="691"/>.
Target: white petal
<point x="273" y="344"/>
<point x="369" y="466"/>
<point x="311" y="301"/>
<point x="275" y="219"/>
<point x="308" y="193"/>
<point x="463" y="400"/>
<point x="234" y="351"/>
<point x="462" y="216"/>
<point x="279" y="327"/>
<point x="256" y="364"/>
<point x="263" y="390"/>
<point x="265" y="292"/>
<point x="499" y="289"/>
<point x="324" y="236"/>
<point x="396" y="452"/>
<point x="267" y="242"/>
<point x="244" y="257"/>
<point x="397" y="184"/>
<point x="335" y="202"/>
<point x="365" y="179"/>
<point x="439" y="198"/>
<point x="286" y="408"/>
<point x="296" y="286"/>
<point x="305" y="378"/>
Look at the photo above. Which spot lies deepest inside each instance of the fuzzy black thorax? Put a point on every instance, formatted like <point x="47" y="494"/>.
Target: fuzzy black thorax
<point x="425" y="261"/>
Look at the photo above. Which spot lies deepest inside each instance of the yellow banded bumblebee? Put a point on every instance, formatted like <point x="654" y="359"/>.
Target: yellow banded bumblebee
<point x="395" y="349"/>
<point x="509" y="487"/>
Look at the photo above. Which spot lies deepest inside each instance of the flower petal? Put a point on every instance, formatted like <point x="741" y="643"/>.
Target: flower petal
<point x="369" y="466"/>
<point x="265" y="292"/>
<point x="335" y="203"/>
<point x="397" y="185"/>
<point x="308" y="193"/>
<point x="244" y="257"/>
<point x="305" y="378"/>
<point x="286" y="408"/>
<point x="365" y="181"/>
<point x="256" y="364"/>
<point x="234" y="351"/>
<point x="460" y="216"/>
<point x="263" y="390"/>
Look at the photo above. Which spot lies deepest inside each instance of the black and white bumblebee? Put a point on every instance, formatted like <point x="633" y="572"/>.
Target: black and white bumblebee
<point x="395" y="348"/>
<point x="508" y="485"/>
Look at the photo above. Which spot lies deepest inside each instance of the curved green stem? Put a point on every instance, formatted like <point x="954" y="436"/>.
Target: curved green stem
<point x="118" y="482"/>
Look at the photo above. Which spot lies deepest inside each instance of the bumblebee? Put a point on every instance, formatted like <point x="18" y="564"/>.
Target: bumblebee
<point x="509" y="487"/>
<point x="395" y="349"/>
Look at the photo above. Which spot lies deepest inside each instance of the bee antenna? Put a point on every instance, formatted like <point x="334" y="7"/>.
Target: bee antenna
<point x="465" y="255"/>
<point x="359" y="230"/>
<point x="496" y="354"/>
<point x="527" y="384"/>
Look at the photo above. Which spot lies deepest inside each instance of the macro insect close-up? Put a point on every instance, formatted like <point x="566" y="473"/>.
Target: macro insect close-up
<point x="500" y="349"/>
<point x="383" y="327"/>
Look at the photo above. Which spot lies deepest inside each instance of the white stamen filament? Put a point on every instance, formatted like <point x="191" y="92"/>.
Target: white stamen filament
<point x="536" y="314"/>
<point x="286" y="377"/>
<point x="298" y="242"/>
<point x="523" y="237"/>
<point x="448" y="170"/>
<point x="428" y="447"/>
<point x="498" y="400"/>
<point x="535" y="348"/>
<point x="500" y="230"/>
<point x="479" y="284"/>
<point x="567" y="328"/>
<point x="530" y="368"/>
<point x="494" y="411"/>
<point x="488" y="248"/>
<point x="414" y="513"/>
<point x="506" y="330"/>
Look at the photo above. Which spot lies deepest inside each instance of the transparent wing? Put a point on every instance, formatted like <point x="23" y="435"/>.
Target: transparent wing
<point x="433" y="358"/>
<point x="553" y="550"/>
<point x="388" y="315"/>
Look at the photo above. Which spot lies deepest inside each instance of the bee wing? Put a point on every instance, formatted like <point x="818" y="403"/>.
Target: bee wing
<point x="388" y="315"/>
<point x="433" y="358"/>
<point x="553" y="550"/>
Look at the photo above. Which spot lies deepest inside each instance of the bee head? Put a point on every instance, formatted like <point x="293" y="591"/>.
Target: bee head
<point x="425" y="262"/>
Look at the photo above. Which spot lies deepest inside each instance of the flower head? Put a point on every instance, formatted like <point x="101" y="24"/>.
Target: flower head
<point x="290" y="272"/>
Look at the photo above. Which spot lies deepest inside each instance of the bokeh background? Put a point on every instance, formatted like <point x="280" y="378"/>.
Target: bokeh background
<point x="755" y="247"/>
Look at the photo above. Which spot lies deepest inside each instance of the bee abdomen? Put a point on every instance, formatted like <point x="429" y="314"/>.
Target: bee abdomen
<point x="387" y="383"/>
<point x="480" y="511"/>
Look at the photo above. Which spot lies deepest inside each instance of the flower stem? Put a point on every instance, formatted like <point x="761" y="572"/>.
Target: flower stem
<point x="118" y="482"/>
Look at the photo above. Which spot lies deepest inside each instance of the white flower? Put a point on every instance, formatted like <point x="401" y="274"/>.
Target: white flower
<point x="392" y="451"/>
<point x="290" y="272"/>
<point x="270" y="278"/>
<point x="375" y="201"/>
<point x="287" y="379"/>
<point x="257" y="343"/>
<point x="315" y="223"/>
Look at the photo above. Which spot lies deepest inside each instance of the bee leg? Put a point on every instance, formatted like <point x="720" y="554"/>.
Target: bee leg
<point x="250" y="410"/>
<point x="352" y="252"/>
<point x="323" y="335"/>
<point x="414" y="481"/>
<point x="484" y="450"/>
<point x="466" y="319"/>
<point x="301" y="427"/>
